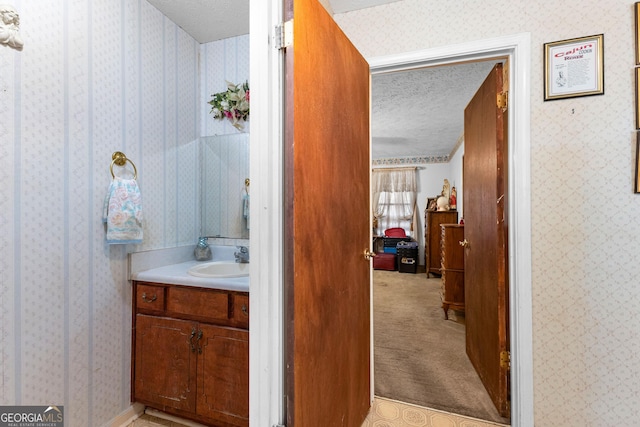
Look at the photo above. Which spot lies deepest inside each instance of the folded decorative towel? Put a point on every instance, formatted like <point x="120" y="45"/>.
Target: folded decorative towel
<point x="123" y="212"/>
<point x="245" y="209"/>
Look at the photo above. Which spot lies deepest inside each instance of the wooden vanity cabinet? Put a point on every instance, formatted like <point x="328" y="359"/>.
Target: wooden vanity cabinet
<point x="191" y="352"/>
<point x="432" y="235"/>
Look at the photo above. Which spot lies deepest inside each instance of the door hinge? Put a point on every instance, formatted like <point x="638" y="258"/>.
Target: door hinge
<point x="283" y="35"/>
<point x="505" y="360"/>
<point x="502" y="100"/>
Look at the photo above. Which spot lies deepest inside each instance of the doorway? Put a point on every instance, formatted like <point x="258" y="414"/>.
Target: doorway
<point x="420" y="358"/>
<point x="266" y="336"/>
<point x="420" y="354"/>
<point x="516" y="49"/>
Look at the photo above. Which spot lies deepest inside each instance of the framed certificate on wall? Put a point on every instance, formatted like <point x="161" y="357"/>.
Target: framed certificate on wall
<point x="574" y="67"/>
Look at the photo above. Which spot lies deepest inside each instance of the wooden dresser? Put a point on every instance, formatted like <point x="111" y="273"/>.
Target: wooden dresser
<point x="452" y="267"/>
<point x="432" y="233"/>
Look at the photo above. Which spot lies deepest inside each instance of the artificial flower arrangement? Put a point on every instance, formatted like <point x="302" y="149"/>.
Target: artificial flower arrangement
<point x="232" y="104"/>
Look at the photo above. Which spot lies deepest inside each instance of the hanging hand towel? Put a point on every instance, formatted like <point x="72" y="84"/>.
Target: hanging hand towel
<point x="123" y="212"/>
<point x="245" y="209"/>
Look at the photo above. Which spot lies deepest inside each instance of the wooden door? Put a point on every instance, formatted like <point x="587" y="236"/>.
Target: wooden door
<point x="223" y="374"/>
<point x="486" y="230"/>
<point x="168" y="380"/>
<point x="327" y="229"/>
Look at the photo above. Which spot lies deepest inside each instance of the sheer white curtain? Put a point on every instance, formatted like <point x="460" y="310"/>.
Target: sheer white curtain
<point x="393" y="199"/>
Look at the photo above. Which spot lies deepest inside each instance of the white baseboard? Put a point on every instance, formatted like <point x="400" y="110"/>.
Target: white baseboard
<point x="127" y="416"/>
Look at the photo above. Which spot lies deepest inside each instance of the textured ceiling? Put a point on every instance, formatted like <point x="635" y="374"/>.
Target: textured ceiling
<point x="421" y="112"/>
<point x="210" y="20"/>
<point x="414" y="113"/>
<point x="341" y="6"/>
<point x="207" y="20"/>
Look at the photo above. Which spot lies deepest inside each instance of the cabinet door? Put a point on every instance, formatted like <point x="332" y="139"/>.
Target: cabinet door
<point x="223" y="374"/>
<point x="165" y="362"/>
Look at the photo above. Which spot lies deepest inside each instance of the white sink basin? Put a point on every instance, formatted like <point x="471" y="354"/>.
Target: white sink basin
<point x="220" y="269"/>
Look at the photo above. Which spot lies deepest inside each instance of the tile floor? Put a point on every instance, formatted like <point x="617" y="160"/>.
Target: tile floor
<point x="147" y="420"/>
<point x="384" y="413"/>
<point x="390" y="413"/>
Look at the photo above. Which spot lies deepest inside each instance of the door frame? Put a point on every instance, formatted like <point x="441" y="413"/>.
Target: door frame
<point x="266" y="148"/>
<point x="518" y="49"/>
<point x="266" y="324"/>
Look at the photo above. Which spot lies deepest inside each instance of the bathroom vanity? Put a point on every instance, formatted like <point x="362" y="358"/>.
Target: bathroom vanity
<point x="190" y="352"/>
<point x="190" y="334"/>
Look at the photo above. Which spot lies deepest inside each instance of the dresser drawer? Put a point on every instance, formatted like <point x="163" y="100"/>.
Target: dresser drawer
<point x="202" y="303"/>
<point x="150" y="297"/>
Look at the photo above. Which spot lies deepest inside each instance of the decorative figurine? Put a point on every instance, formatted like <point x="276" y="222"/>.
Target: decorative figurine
<point x="442" y="203"/>
<point x="9" y="26"/>
<point x="446" y="189"/>
<point x="453" y="199"/>
<point x="443" y="200"/>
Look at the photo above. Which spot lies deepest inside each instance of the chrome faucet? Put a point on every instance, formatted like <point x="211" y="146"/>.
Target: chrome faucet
<point x="243" y="255"/>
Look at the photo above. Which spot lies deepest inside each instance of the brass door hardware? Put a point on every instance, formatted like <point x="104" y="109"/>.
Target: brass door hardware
<point x="368" y="254"/>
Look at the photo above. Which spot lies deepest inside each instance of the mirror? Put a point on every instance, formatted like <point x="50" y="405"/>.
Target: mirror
<point x="224" y="167"/>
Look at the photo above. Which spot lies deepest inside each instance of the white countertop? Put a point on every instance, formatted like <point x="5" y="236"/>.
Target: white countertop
<point x="176" y="274"/>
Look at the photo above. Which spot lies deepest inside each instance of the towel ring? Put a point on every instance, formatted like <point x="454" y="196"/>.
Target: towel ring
<point x="120" y="159"/>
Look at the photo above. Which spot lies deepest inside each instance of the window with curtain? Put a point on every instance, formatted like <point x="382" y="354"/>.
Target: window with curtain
<point x="393" y="199"/>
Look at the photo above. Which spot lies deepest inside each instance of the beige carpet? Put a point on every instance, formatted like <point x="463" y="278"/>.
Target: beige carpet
<point x="419" y="357"/>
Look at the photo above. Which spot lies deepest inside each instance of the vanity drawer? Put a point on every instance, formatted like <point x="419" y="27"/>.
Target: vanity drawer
<point x="150" y="297"/>
<point x="203" y="303"/>
<point x="240" y="313"/>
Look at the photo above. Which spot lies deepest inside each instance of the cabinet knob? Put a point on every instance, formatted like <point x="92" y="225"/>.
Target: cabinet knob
<point x="146" y="299"/>
<point x="193" y="334"/>
<point x="199" y="338"/>
<point x="244" y="310"/>
<point x="464" y="243"/>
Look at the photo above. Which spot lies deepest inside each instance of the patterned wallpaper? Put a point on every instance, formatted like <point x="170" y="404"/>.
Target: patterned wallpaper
<point x="399" y="161"/>
<point x="95" y="76"/>
<point x="585" y="228"/>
